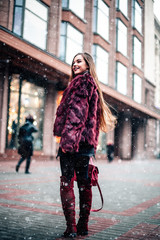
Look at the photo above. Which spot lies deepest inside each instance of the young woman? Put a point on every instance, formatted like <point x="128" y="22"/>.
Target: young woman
<point x="80" y="115"/>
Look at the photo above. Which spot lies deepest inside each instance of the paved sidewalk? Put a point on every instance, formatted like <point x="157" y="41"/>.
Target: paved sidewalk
<point x="30" y="207"/>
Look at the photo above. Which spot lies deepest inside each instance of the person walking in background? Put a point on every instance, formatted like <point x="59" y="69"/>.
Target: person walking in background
<point x="81" y="114"/>
<point x="25" y="140"/>
<point x="110" y="150"/>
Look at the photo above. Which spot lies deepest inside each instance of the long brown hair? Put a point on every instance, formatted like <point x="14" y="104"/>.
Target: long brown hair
<point x="107" y="120"/>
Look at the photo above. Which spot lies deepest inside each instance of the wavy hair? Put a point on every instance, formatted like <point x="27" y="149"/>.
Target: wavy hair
<point x="107" y="119"/>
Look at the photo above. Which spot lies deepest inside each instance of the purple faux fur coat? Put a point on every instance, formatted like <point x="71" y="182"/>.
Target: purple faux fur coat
<point x="78" y="115"/>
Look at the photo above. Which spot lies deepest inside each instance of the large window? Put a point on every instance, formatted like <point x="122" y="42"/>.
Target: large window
<point x="137" y="16"/>
<point x="122" y="5"/>
<point x="25" y="98"/>
<point x="71" y="42"/>
<point x="121" y="37"/>
<point x="101" y="19"/>
<point x="101" y="60"/>
<point x="101" y="148"/>
<point x="77" y="8"/>
<point x="121" y="78"/>
<point x="137" y="88"/>
<point x="30" y="21"/>
<point x="137" y="52"/>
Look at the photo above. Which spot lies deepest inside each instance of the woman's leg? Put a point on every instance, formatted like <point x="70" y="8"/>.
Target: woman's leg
<point x="81" y="167"/>
<point x="19" y="163"/>
<point x="67" y="165"/>
<point x="67" y="194"/>
<point x="28" y="162"/>
<point x="85" y="194"/>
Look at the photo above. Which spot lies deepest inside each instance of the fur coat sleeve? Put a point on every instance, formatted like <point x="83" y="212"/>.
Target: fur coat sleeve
<point x="77" y="113"/>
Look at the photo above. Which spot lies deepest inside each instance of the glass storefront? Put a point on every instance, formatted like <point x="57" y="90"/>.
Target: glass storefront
<point x="102" y="141"/>
<point x="25" y="97"/>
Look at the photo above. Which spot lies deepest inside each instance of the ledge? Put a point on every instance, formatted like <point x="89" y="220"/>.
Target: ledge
<point x="129" y="102"/>
<point x="36" y="53"/>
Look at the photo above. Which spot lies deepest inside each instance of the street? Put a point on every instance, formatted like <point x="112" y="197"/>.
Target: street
<point x="30" y="206"/>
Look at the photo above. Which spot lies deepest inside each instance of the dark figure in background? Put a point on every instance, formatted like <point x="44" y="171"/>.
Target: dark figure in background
<point x="25" y="140"/>
<point x="14" y="132"/>
<point x="110" y="151"/>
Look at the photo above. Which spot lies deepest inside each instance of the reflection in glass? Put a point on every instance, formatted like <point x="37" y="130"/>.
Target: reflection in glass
<point x="13" y="111"/>
<point x="31" y="102"/>
<point x="35" y="30"/>
<point x="71" y="42"/>
<point x="121" y="76"/>
<point x="64" y="3"/>
<point x="101" y="19"/>
<point x="77" y="8"/>
<point x="74" y="43"/>
<point x="37" y="8"/>
<point x="30" y="21"/>
<point x="137" y="52"/>
<point x="17" y="28"/>
<point x="121" y="37"/>
<point x="137" y="16"/>
<point x="122" y="5"/>
<point x="19" y="2"/>
<point x="63" y="41"/>
<point x="137" y="88"/>
<point x="101" y="148"/>
<point x="101" y="60"/>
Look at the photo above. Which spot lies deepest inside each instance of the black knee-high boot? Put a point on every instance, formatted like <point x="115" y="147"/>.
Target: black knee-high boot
<point x="85" y="196"/>
<point x="28" y="162"/>
<point x="19" y="163"/>
<point x="68" y="205"/>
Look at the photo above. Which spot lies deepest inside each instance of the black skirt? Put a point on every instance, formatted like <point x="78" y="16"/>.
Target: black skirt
<point x="26" y="148"/>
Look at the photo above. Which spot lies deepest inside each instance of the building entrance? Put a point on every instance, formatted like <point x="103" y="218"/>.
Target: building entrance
<point x="25" y="97"/>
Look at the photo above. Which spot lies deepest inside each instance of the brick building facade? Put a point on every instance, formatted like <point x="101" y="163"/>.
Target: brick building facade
<point x="157" y="79"/>
<point x="38" y="39"/>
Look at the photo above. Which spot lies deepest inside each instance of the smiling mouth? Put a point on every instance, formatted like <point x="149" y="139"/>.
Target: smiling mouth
<point x="75" y="68"/>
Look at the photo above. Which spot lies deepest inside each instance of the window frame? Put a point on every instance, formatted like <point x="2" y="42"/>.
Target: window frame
<point x="118" y="20"/>
<point x="22" y="17"/>
<point x="135" y="90"/>
<point x="65" y="41"/>
<point x="134" y="51"/>
<point x="68" y="7"/>
<point x="22" y="23"/>
<point x="94" y="51"/>
<point x="126" y="80"/>
<point x="63" y="58"/>
<point x="120" y="9"/>
<point x="134" y="17"/>
<point x="96" y="11"/>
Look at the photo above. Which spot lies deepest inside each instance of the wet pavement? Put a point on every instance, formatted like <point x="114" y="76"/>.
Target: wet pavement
<point x="30" y="206"/>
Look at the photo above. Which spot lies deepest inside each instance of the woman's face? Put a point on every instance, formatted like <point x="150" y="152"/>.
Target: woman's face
<point x="79" y="65"/>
